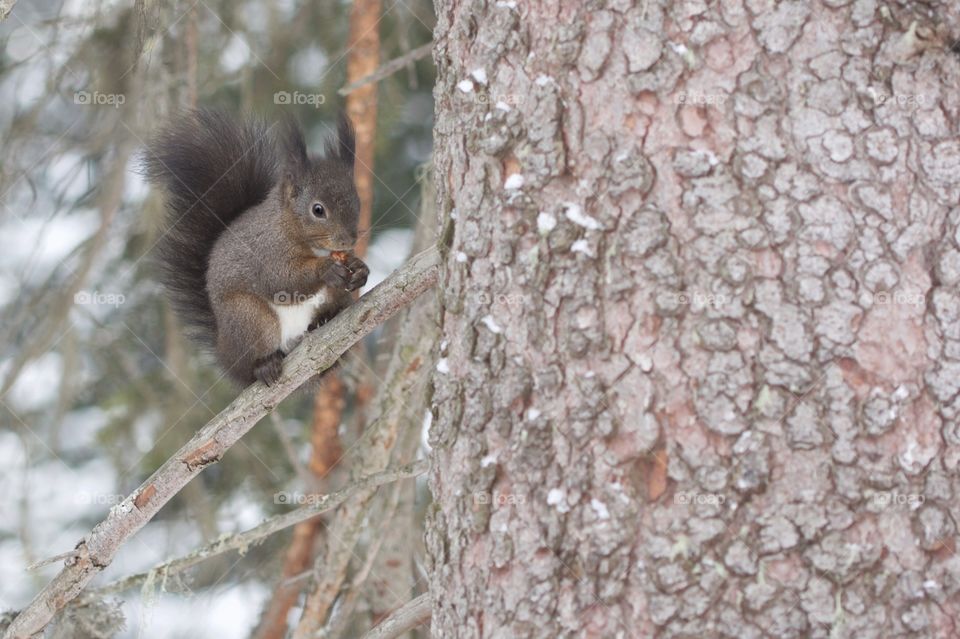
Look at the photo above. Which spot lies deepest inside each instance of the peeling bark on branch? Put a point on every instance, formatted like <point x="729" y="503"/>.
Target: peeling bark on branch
<point x="316" y="353"/>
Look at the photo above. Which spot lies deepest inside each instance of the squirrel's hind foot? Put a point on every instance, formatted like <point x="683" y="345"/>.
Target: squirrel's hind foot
<point x="268" y="369"/>
<point x="318" y="321"/>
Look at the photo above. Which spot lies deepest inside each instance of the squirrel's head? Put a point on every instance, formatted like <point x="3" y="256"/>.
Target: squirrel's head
<point x="320" y="193"/>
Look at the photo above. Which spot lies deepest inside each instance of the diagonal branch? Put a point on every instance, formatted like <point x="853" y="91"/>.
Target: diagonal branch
<point x="316" y="353"/>
<point x="242" y="540"/>
<point x="415" y="612"/>
<point x="389" y="68"/>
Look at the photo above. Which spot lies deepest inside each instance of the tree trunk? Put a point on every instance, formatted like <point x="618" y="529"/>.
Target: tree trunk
<point x="700" y="370"/>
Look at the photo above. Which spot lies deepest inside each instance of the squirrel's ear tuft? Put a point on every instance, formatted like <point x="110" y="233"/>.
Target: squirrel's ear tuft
<point x="290" y="187"/>
<point x="294" y="146"/>
<point x="346" y="140"/>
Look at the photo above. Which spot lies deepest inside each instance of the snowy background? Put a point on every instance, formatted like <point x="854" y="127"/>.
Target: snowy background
<point x="96" y="386"/>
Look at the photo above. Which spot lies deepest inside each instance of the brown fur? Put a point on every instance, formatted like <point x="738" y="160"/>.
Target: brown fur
<point x="265" y="257"/>
<point x="253" y="248"/>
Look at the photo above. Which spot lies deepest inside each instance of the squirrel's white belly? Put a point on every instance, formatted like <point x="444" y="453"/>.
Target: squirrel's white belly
<point x="295" y="318"/>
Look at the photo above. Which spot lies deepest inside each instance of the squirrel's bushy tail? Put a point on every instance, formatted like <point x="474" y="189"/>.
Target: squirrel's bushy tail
<point x="212" y="168"/>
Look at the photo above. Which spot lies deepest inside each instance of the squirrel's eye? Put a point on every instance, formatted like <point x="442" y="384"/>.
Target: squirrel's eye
<point x="318" y="210"/>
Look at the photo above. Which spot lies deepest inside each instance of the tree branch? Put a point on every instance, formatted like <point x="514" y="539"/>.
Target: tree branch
<point x="244" y="539"/>
<point x="397" y="405"/>
<point x="6" y="6"/>
<point x="318" y="351"/>
<point x="415" y="612"/>
<point x="389" y="68"/>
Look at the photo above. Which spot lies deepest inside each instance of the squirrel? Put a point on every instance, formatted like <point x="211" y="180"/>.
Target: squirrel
<point x="257" y="234"/>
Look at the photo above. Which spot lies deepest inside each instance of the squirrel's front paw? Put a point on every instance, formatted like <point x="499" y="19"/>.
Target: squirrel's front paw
<point x="358" y="273"/>
<point x="337" y="275"/>
<point x="268" y="369"/>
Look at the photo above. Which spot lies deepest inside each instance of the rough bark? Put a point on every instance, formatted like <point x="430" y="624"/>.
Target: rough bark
<point x="701" y="362"/>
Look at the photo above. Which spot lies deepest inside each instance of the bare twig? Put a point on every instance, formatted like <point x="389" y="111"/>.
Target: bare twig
<point x="415" y="612"/>
<point x="51" y="560"/>
<point x="289" y="448"/>
<point x="297" y="578"/>
<point x="389" y="68"/>
<point x="328" y="404"/>
<point x="341" y="615"/>
<point x="242" y="540"/>
<point x="6" y="6"/>
<point x="387" y="562"/>
<point x="298" y="556"/>
<point x="400" y="401"/>
<point x="316" y="353"/>
<point x="392" y="580"/>
<point x="410" y="365"/>
<point x="110" y="200"/>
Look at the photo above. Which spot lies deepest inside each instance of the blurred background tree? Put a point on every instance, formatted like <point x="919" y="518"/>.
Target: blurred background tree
<point x="97" y="387"/>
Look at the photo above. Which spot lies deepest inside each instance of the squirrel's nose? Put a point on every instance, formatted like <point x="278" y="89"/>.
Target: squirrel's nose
<point x="346" y="242"/>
